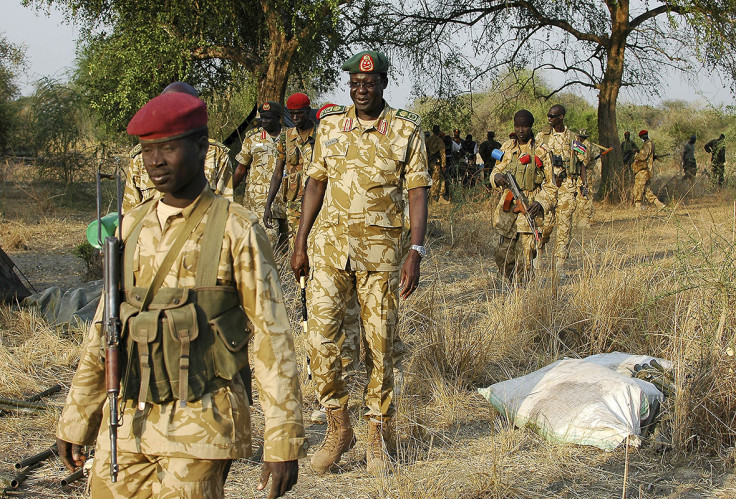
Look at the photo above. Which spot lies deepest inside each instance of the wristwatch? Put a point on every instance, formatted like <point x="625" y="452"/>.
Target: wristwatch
<point x="419" y="249"/>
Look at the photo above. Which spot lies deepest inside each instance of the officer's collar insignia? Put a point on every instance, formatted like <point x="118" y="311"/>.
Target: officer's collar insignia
<point x="366" y="64"/>
<point x="383" y="127"/>
<point x="264" y="134"/>
<point x="348" y="125"/>
<point x="266" y="106"/>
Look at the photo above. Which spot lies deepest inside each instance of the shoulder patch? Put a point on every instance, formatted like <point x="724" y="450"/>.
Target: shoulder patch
<point x="136" y="150"/>
<point x="409" y="116"/>
<point x="253" y="132"/>
<point x="333" y="110"/>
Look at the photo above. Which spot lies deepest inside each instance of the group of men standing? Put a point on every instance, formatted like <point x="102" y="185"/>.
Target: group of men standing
<point x="717" y="150"/>
<point x="200" y="280"/>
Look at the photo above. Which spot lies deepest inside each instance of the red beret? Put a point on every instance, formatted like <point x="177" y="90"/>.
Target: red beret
<point x="297" y="101"/>
<point x="319" y="113"/>
<point x="643" y="132"/>
<point x="169" y="116"/>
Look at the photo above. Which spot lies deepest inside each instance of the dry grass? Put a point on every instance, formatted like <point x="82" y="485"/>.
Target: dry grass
<point x="658" y="284"/>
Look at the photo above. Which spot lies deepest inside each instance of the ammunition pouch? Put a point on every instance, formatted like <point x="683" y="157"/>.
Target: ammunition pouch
<point x="188" y="342"/>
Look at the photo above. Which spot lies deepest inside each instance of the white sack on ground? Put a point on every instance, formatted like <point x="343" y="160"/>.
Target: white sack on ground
<point x="592" y="401"/>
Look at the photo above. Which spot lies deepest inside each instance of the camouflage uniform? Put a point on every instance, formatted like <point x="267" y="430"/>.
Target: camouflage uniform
<point x="517" y="247"/>
<point x="297" y="149"/>
<point x="585" y="204"/>
<point x="562" y="198"/>
<point x="170" y="440"/>
<point x="357" y="241"/>
<point x="642" y="168"/>
<point x="217" y="169"/>
<point x="259" y="154"/>
<point x="437" y="166"/>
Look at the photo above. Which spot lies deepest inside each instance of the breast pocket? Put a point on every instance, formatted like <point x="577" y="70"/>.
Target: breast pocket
<point x="389" y="163"/>
<point x="335" y="158"/>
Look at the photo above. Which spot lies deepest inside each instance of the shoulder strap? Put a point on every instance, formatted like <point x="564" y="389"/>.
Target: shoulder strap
<point x="184" y="233"/>
<point x="209" y="253"/>
<point x="129" y="246"/>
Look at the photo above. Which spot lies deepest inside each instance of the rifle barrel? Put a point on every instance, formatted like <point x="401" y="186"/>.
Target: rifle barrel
<point x="45" y="393"/>
<point x="21" y="477"/>
<point x="72" y="478"/>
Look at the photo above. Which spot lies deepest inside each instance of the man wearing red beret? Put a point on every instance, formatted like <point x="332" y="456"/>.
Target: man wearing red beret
<point x="199" y="281"/>
<point x="262" y="148"/>
<point x="642" y="168"/>
<point x="217" y="166"/>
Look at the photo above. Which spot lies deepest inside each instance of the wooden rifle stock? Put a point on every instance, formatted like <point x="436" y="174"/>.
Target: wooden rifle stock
<point x="522" y="205"/>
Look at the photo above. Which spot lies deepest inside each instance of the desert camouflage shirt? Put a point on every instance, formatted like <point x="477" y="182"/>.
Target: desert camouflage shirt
<point x="298" y="151"/>
<point x="217" y="169"/>
<point x="644" y="159"/>
<point x="436" y="151"/>
<point x="366" y="167"/>
<point x="259" y="154"/>
<point x="218" y="425"/>
<point x="549" y="142"/>
<point x="527" y="175"/>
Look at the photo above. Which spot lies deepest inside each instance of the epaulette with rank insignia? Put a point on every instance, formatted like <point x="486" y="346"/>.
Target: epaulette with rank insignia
<point x="333" y="110"/>
<point x="253" y="132"/>
<point x="135" y="151"/>
<point x="409" y="116"/>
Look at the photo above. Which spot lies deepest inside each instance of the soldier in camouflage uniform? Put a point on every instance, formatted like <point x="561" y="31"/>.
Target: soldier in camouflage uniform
<point x="262" y="148"/>
<point x="689" y="165"/>
<point x="217" y="167"/>
<point x="517" y="246"/>
<point x="298" y="152"/>
<point x="585" y="198"/>
<point x="642" y="169"/>
<point x="555" y="149"/>
<point x="437" y="166"/>
<point x="364" y="156"/>
<point x="199" y="280"/>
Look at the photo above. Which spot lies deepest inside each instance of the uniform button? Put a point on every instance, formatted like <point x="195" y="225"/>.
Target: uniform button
<point x="233" y="343"/>
<point x="176" y="301"/>
<point x="137" y="297"/>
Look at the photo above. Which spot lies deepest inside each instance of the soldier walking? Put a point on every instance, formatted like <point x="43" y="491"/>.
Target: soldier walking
<point x="563" y="163"/>
<point x="689" y="166"/>
<point x="199" y="281"/>
<point x="262" y="148"/>
<point x="642" y="169"/>
<point x="517" y="245"/>
<point x="717" y="148"/>
<point x="364" y="154"/>
<point x="437" y="166"/>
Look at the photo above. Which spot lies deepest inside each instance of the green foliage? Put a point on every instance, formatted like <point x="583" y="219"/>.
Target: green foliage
<point x="12" y="59"/>
<point x="56" y="127"/>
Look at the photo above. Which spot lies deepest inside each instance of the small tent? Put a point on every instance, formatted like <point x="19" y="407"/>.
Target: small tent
<point x="11" y="289"/>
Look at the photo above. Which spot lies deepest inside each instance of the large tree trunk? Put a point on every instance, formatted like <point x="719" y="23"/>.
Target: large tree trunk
<point x="612" y="175"/>
<point x="275" y="73"/>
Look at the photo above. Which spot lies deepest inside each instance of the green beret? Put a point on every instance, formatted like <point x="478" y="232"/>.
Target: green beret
<point x="271" y="107"/>
<point x="367" y="61"/>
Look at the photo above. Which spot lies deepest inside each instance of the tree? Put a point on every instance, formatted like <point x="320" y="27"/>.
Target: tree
<point x="12" y="59"/>
<point x="56" y="126"/>
<point x="132" y="49"/>
<point x="603" y="45"/>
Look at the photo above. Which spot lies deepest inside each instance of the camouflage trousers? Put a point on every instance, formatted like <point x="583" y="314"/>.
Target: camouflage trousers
<point x="142" y="476"/>
<point x="642" y="189"/>
<point x="562" y="218"/>
<point x="514" y="256"/>
<point x="348" y="336"/>
<point x="439" y="184"/>
<point x="377" y="293"/>
<point x="585" y="204"/>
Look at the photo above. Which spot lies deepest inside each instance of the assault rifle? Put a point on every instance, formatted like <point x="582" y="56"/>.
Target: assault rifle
<point x="111" y="258"/>
<point x="522" y="205"/>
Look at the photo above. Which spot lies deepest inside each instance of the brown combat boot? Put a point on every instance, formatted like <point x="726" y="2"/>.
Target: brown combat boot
<point x="339" y="439"/>
<point x="376" y="454"/>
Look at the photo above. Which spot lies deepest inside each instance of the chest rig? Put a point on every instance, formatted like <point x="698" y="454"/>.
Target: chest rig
<point x="566" y="160"/>
<point x="181" y="343"/>
<point x="528" y="176"/>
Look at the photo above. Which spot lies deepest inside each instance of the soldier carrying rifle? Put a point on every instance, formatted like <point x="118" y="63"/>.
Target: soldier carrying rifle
<point x="519" y="236"/>
<point x="198" y="281"/>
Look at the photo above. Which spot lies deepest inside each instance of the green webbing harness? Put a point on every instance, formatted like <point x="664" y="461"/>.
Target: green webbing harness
<point x="157" y="320"/>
